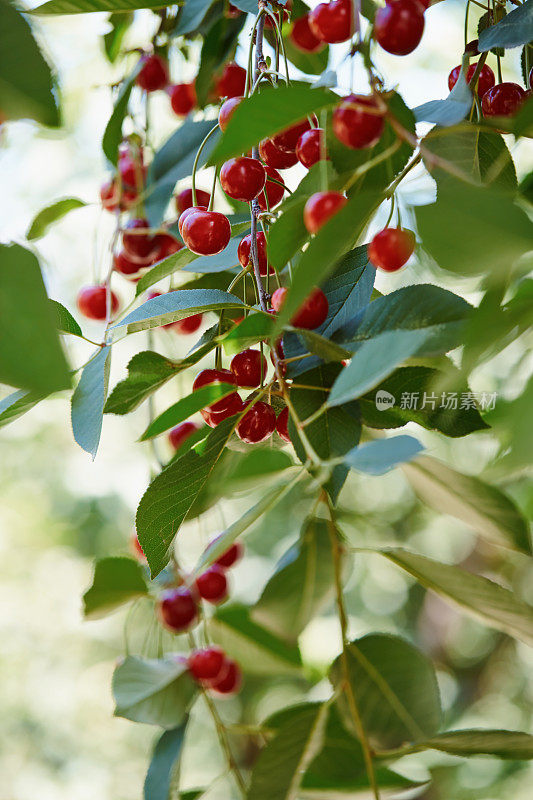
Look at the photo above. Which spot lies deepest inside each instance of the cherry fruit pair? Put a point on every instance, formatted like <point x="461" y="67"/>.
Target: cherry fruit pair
<point x="311" y="314"/>
<point x="212" y="669"/>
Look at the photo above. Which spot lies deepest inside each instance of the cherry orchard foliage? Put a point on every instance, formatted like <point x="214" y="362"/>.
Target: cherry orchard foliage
<point x="298" y="367"/>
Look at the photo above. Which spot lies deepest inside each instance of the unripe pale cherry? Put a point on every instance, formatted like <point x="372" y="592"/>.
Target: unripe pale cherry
<point x="231" y="682"/>
<point x="273" y="191"/>
<point x="232" y="82"/>
<point x="391" y="248"/>
<point x="485" y="81"/>
<point x="332" y="22"/>
<point x="258" y="423"/>
<point x="208" y="665"/>
<point x="282" y="425"/>
<point x="182" y="98"/>
<point x="212" y="585"/>
<point x="503" y="100"/>
<point x="309" y="149"/>
<point x="184" y="200"/>
<point x="311" y="314"/>
<point x="303" y="37"/>
<point x="399" y="25"/>
<point x="177" y="609"/>
<point x="226" y="111"/>
<point x="321" y="207"/>
<point x="244" y="252"/>
<point x="274" y="157"/>
<point x="243" y="178"/>
<point x="356" y="127"/>
<point x="92" y="302"/>
<point x="205" y="233"/>
<point x="249" y="368"/>
<point x="180" y="433"/>
<point x="153" y="74"/>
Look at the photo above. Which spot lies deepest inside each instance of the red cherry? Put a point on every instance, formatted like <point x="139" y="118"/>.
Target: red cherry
<point x="486" y="79"/>
<point x="274" y="157"/>
<point x="310" y="146"/>
<point x="92" y="302"/>
<point x="398" y="27"/>
<point x="249" y="368"/>
<point x="177" y="609"/>
<point x="232" y="82"/>
<point x="210" y="376"/>
<point x="188" y="325"/>
<point x="112" y="198"/>
<point x="153" y="74"/>
<point x="288" y="139"/>
<point x="208" y="665"/>
<point x="178" y="435"/>
<point x="184" y="200"/>
<point x="355" y="127"/>
<point x="206" y="233"/>
<point x="303" y="37"/>
<point x="166" y="245"/>
<point x="502" y="100"/>
<point x="140" y="247"/>
<point x="282" y="425"/>
<point x="391" y="248"/>
<point x="226" y="111"/>
<point x="320" y="207"/>
<point x="234" y="406"/>
<point x="231" y="682"/>
<point x="332" y="22"/>
<point x="230" y="557"/>
<point x="244" y="252"/>
<point x="243" y="178"/>
<point x="257" y="424"/>
<point x="311" y="314"/>
<point x="273" y="191"/>
<point x="212" y="585"/>
<point x="123" y="264"/>
<point x="182" y="98"/>
<point x="183" y="216"/>
<point x="132" y="173"/>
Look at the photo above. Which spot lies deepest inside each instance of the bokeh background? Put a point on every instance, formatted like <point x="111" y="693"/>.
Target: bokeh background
<point x="58" y="510"/>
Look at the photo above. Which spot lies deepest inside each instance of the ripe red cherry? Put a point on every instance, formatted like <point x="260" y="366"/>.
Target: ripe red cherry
<point x="140" y="247"/>
<point x="208" y="665"/>
<point x="257" y="424"/>
<point x="153" y="74"/>
<point x="332" y="22"/>
<point x="232" y="82"/>
<point x="320" y="207"/>
<point x="398" y="26"/>
<point x="166" y="245"/>
<point x="123" y="264"/>
<point x="354" y="126"/>
<point x="178" y="435"/>
<point x="288" y="139"/>
<point x="234" y="406"/>
<point x="311" y="314"/>
<point x="182" y="98"/>
<point x="244" y="252"/>
<point x="391" y="248"/>
<point x="92" y="302"/>
<point x="282" y="425"/>
<point x="303" y="37"/>
<point x="183" y="216"/>
<point x="177" y="609"/>
<point x="206" y="233"/>
<point x="502" y="100"/>
<point x="310" y="146"/>
<point x="188" y="325"/>
<point x="249" y="368"/>
<point x="212" y="585"/>
<point x="184" y="200"/>
<point x="486" y="79"/>
<point x="274" y="157"/>
<point x="209" y="376"/>
<point x="231" y="556"/>
<point x="273" y="191"/>
<point x="226" y="111"/>
<point x="231" y="682"/>
<point x="243" y="178"/>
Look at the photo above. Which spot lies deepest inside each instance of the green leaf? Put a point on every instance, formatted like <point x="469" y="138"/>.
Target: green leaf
<point x="88" y="401"/>
<point x="164" y="268"/>
<point x="302" y="585"/>
<point x="376" y="458"/>
<point x="113" y="132"/>
<point x="117" y="580"/>
<point x="288" y="233"/>
<point x="87" y="6"/>
<point x="186" y="407"/>
<point x="47" y="216"/>
<point x="252" y="329"/>
<point x="395" y="689"/>
<point x="267" y="112"/>
<point x="65" y="322"/>
<point x="153" y="691"/>
<point x="477" y="596"/>
<point x="218" y="44"/>
<point x="16" y="404"/>
<point x="512" y="31"/>
<point x="176" y="305"/>
<point x="31" y="356"/>
<point x="172" y="493"/>
<point x="191" y="16"/>
<point x="502" y="744"/>
<point x="485" y="508"/>
<point x="147" y="371"/>
<point x="166" y="755"/>
<point x="120" y="24"/>
<point x="310" y="63"/>
<point x="257" y="650"/>
<point x="450" y="111"/>
<point x="26" y="82"/>
<point x="320" y="346"/>
<point x="279" y="770"/>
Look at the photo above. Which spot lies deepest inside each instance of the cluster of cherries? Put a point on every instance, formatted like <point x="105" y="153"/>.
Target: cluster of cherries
<point x="497" y="100"/>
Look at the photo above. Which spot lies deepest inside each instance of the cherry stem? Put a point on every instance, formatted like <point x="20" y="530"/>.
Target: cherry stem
<point x="196" y="160"/>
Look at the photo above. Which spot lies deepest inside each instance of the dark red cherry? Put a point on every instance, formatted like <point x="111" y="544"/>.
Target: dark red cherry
<point x="273" y="191"/>
<point x="391" y="248"/>
<point x="486" y="79"/>
<point x="178" y="435"/>
<point x="166" y="245"/>
<point x="311" y="314"/>
<point x="177" y="609"/>
<point x="232" y="82"/>
<point x="153" y="74"/>
<point x="244" y="252"/>
<point x="503" y="100"/>
<point x="213" y="376"/>
<point x="226" y="111"/>
<point x="183" y="216"/>
<point x="234" y="406"/>
<point x="303" y="37"/>
<point x="212" y="585"/>
<point x="208" y="665"/>
<point x="243" y="178"/>
<point x="140" y="247"/>
<point x="320" y="207"/>
<point x="182" y="98"/>
<point x="274" y="157"/>
<point x="288" y="139"/>
<point x="398" y="26"/>
<point x="282" y="425"/>
<point x="123" y="264"/>
<point x="93" y="304"/>
<point x="249" y="368"/>
<point x="310" y="147"/>
<point x="230" y="557"/>
<point x="332" y="22"/>
<point x="257" y="424"/>
<point x="231" y="682"/>
<point x="206" y="233"/>
<point x="356" y="127"/>
<point x="184" y="200"/>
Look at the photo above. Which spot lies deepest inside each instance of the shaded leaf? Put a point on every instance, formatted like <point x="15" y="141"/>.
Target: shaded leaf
<point x="502" y="744"/>
<point x="88" y="401"/>
<point x="186" y="407"/>
<point x="381" y="456"/>
<point x="166" y="755"/>
<point x="116" y="581"/>
<point x="47" y="216"/>
<point x="453" y="109"/>
<point x="65" y="322"/>
<point x="147" y="371"/>
<point x="513" y="30"/>
<point x="113" y="132"/>
<point x="252" y="329"/>
<point x="218" y="44"/>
